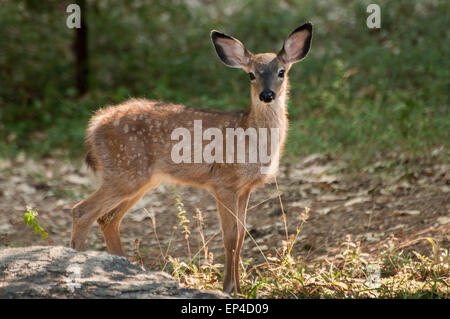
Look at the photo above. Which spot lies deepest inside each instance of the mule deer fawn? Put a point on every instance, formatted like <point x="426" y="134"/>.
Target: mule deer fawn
<point x="131" y="146"/>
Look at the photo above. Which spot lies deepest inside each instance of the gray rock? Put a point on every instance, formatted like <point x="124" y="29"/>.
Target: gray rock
<point x="61" y="272"/>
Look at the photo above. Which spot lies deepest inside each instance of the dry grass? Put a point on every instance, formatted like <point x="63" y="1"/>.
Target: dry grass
<point x="349" y="274"/>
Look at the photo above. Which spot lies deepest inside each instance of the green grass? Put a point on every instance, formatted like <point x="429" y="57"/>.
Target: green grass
<point x="358" y="94"/>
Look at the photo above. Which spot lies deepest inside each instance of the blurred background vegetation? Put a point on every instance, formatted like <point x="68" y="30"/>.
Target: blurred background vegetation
<point x="359" y="93"/>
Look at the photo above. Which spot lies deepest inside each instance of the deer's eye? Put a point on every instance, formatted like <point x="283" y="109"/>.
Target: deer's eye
<point x="281" y="74"/>
<point x="251" y="75"/>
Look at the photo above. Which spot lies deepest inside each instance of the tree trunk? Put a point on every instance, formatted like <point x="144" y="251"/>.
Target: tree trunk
<point x="81" y="52"/>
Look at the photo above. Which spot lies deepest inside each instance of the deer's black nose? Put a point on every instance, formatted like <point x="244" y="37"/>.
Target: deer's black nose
<point x="267" y="96"/>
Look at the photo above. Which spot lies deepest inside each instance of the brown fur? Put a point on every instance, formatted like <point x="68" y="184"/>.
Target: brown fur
<point x="130" y="145"/>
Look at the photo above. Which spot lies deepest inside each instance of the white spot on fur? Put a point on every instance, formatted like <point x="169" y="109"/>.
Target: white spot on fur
<point x="126" y="129"/>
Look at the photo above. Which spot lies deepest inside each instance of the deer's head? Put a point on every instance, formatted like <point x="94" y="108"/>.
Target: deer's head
<point x="267" y="71"/>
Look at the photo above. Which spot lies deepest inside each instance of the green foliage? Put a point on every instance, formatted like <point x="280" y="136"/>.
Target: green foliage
<point x="30" y="218"/>
<point x="359" y="92"/>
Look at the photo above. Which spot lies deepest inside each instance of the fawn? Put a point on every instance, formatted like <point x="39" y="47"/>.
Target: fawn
<point x="131" y="146"/>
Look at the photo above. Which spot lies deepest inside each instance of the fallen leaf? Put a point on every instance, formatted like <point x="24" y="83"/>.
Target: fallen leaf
<point x="6" y="228"/>
<point x="331" y="198"/>
<point x="445" y="189"/>
<point x="311" y="159"/>
<point x="341" y="285"/>
<point x="329" y="179"/>
<point x="262" y="247"/>
<point x="4" y="163"/>
<point x="26" y="189"/>
<point x="301" y="204"/>
<point x="373" y="237"/>
<point x="77" y="179"/>
<point x="407" y="212"/>
<point x="324" y="211"/>
<point x="357" y="200"/>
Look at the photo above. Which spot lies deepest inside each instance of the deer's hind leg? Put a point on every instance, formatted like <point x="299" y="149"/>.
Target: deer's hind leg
<point x="84" y="214"/>
<point x="110" y="224"/>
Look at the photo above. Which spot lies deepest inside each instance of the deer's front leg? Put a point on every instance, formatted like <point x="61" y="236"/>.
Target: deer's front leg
<point x="232" y="206"/>
<point x="241" y="232"/>
<point x="227" y="205"/>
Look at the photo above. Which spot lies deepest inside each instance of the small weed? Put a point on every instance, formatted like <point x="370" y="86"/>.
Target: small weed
<point x="30" y="218"/>
<point x="184" y="221"/>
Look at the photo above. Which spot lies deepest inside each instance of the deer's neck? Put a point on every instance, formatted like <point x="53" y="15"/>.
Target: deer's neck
<point x="273" y="115"/>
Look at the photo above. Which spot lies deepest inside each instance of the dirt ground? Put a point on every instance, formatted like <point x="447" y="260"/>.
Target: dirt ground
<point x="406" y="197"/>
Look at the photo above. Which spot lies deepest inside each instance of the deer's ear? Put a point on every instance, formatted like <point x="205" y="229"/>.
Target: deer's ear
<point x="297" y="44"/>
<point x="230" y="50"/>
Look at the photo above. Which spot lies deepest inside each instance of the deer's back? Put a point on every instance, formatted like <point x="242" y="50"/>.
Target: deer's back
<point x="132" y="142"/>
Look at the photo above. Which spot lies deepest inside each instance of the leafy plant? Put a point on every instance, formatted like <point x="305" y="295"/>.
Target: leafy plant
<point x="30" y="218"/>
